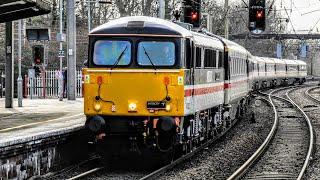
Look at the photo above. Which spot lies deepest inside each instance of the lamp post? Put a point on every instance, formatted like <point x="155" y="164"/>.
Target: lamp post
<point x="19" y="80"/>
<point x="60" y="76"/>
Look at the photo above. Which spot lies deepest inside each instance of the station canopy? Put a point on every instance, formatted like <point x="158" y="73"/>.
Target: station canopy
<point x="11" y="10"/>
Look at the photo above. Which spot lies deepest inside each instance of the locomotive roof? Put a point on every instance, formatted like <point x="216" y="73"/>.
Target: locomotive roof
<point x="141" y="25"/>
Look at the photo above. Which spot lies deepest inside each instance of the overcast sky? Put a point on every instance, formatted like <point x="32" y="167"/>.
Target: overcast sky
<point x="301" y="22"/>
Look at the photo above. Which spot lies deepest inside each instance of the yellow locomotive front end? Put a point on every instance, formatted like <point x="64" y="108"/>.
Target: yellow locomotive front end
<point x="133" y="92"/>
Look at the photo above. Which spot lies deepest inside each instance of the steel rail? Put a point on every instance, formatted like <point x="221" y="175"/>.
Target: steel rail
<point x="245" y="167"/>
<point x="55" y="175"/>
<point x="158" y="172"/>
<point x="82" y="175"/>
<point x="310" y="96"/>
<point x="311" y="134"/>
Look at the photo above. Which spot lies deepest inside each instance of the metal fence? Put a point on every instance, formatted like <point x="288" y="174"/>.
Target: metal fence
<point x="47" y="85"/>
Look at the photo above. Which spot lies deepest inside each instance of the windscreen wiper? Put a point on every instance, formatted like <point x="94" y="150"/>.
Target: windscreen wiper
<point x="146" y="53"/>
<point x="119" y="58"/>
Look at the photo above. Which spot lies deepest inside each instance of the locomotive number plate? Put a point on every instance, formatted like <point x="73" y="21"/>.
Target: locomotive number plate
<point x="156" y="105"/>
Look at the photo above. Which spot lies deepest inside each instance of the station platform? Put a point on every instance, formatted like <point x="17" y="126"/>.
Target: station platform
<point x="38" y="119"/>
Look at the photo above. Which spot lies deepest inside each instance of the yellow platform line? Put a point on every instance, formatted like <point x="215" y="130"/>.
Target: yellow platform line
<point x="37" y="123"/>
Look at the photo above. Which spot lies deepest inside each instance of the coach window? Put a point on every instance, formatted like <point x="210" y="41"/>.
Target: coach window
<point x="231" y="68"/>
<point x="210" y="58"/>
<point x="198" y="57"/>
<point x="220" y="59"/>
<point x="237" y="64"/>
<point x="207" y="58"/>
<point x="214" y="58"/>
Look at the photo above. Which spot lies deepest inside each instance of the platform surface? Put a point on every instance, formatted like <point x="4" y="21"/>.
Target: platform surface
<point x="38" y="119"/>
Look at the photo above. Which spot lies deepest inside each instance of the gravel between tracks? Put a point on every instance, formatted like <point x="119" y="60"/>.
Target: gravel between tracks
<point x="286" y="153"/>
<point x="312" y="109"/>
<point x="221" y="159"/>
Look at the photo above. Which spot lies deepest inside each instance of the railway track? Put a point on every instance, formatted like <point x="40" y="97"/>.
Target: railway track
<point x="292" y="135"/>
<point x="286" y="152"/>
<point x="308" y="94"/>
<point x="158" y="172"/>
<point x="68" y="171"/>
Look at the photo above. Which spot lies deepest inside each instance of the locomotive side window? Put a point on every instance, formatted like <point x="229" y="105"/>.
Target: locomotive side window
<point x="109" y="53"/>
<point x="198" y="57"/>
<point x="156" y="53"/>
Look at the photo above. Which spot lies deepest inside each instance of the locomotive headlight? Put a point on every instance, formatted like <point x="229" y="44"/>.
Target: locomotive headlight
<point x="132" y="107"/>
<point x="97" y="106"/>
<point x="168" y="107"/>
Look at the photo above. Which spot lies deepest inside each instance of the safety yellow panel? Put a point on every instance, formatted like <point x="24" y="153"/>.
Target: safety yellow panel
<point x="125" y="92"/>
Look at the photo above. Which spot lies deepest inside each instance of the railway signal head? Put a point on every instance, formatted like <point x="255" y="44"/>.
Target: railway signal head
<point x="192" y="12"/>
<point x="257" y="15"/>
<point x="38" y="54"/>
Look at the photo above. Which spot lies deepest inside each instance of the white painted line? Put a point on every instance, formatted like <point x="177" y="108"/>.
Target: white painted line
<point x="37" y="123"/>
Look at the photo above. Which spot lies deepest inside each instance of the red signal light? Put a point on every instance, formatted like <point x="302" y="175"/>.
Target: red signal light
<point x="194" y="16"/>
<point x="259" y="14"/>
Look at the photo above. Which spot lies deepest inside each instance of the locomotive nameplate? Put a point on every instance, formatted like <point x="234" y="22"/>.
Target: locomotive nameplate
<point x="156" y="105"/>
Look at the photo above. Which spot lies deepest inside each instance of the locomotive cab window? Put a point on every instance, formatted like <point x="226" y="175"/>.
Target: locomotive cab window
<point x="112" y="52"/>
<point x="155" y="53"/>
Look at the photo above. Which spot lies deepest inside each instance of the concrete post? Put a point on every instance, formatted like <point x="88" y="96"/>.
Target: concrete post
<point x="162" y="9"/>
<point x="19" y="80"/>
<point x="60" y="77"/>
<point x="89" y="16"/>
<point x="72" y="32"/>
<point x="9" y="65"/>
<point x="226" y="20"/>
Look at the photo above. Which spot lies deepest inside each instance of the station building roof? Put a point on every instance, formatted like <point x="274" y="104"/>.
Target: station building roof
<point x="11" y="10"/>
